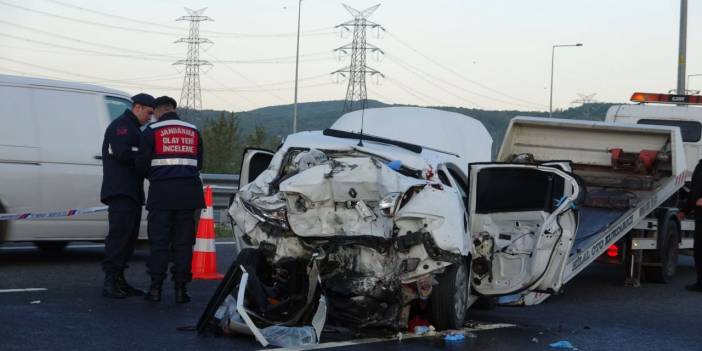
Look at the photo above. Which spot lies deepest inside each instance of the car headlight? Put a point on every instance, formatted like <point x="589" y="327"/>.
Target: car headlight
<point x="390" y="203"/>
<point x="277" y="217"/>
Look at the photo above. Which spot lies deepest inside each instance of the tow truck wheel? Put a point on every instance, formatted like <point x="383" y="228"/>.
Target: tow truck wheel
<point x="449" y="298"/>
<point x="667" y="257"/>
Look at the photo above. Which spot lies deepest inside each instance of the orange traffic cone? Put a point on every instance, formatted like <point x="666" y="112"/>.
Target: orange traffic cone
<point x="204" y="251"/>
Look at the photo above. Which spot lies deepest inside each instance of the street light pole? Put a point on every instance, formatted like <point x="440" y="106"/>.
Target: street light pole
<point x="297" y="65"/>
<point x="553" y="55"/>
<point x="682" y="47"/>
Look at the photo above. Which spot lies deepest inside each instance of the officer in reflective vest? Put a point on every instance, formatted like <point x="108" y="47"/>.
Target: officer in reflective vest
<point x="170" y="156"/>
<point x="123" y="193"/>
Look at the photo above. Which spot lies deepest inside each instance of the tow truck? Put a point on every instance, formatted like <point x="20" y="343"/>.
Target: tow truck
<point x="684" y="112"/>
<point x="630" y="216"/>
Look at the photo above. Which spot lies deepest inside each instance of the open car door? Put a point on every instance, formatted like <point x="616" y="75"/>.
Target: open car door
<point x="522" y="223"/>
<point x="253" y="163"/>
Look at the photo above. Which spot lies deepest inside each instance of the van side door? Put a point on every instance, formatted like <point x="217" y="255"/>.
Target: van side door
<point x="20" y="166"/>
<point x="70" y="137"/>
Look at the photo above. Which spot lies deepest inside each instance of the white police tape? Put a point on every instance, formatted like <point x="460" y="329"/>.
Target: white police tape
<point x="54" y="214"/>
<point x="80" y="211"/>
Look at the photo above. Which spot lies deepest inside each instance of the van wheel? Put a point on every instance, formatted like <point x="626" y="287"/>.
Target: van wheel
<point x="667" y="256"/>
<point x="52" y="247"/>
<point x="449" y="298"/>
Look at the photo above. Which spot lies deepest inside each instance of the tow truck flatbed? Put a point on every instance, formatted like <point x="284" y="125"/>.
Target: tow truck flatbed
<point x="636" y="195"/>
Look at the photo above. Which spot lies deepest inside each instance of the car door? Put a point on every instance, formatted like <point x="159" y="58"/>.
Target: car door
<point x="253" y="163"/>
<point x="522" y="223"/>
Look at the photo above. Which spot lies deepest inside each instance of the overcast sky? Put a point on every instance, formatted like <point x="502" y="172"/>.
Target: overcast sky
<point x="471" y="53"/>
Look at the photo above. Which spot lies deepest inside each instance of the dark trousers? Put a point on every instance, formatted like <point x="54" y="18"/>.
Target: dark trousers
<point x="171" y="228"/>
<point x="124" y="216"/>
<point x="698" y="247"/>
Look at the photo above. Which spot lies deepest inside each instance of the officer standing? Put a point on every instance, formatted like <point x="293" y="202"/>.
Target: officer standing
<point x="170" y="155"/>
<point x="694" y="204"/>
<point x="123" y="192"/>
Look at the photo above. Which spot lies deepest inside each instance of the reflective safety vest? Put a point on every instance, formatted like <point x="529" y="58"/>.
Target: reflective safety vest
<point x="170" y="149"/>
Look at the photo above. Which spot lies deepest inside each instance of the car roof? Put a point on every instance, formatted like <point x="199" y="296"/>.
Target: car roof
<point x="50" y="83"/>
<point x="439" y="130"/>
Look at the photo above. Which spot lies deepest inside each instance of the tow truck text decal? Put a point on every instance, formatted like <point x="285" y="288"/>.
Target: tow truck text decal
<point x="600" y="245"/>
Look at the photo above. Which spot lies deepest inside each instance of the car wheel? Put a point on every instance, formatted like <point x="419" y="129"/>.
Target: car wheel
<point x="52" y="247"/>
<point x="667" y="257"/>
<point x="449" y="298"/>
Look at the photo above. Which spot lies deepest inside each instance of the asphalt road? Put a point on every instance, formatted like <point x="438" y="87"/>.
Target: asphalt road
<point x="595" y="313"/>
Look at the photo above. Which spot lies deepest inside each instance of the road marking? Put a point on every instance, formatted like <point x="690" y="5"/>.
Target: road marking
<point x="9" y="248"/>
<point x="22" y="290"/>
<point x="405" y="336"/>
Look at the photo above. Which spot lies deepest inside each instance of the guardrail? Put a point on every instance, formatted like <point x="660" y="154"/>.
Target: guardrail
<point x="223" y="187"/>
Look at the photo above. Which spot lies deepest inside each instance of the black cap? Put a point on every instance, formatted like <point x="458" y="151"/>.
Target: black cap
<point x="165" y="100"/>
<point x="144" y="100"/>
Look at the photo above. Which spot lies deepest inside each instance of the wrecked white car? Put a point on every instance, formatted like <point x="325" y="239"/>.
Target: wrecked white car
<point x="382" y="213"/>
<point x="370" y="221"/>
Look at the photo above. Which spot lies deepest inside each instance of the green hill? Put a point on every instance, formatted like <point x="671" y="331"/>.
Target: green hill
<point x="274" y="122"/>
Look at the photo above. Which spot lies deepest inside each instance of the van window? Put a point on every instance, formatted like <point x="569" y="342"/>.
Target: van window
<point x="116" y="106"/>
<point x="691" y="131"/>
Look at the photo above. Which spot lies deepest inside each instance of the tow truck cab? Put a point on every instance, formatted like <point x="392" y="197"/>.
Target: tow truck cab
<point x="683" y="111"/>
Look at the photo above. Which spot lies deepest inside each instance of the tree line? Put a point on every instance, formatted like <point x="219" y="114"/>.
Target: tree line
<point x="224" y="143"/>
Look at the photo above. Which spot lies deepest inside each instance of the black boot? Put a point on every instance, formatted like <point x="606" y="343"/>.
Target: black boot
<point x="111" y="287"/>
<point x="181" y="293"/>
<point x="154" y="293"/>
<point x="128" y="289"/>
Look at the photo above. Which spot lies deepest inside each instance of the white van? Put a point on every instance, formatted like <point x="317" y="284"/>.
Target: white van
<point x="50" y="157"/>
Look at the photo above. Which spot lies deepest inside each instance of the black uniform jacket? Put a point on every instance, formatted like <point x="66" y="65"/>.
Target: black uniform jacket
<point x="695" y="191"/>
<point x="170" y="156"/>
<point x="119" y="149"/>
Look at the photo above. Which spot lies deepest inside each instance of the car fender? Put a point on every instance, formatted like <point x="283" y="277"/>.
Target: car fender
<point x="441" y="213"/>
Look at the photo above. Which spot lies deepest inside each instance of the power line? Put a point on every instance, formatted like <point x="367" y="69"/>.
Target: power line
<point x="387" y="100"/>
<point x="78" y="20"/>
<point x="79" y="51"/>
<point x="101" y="79"/>
<point x="224" y="99"/>
<point x="357" y="70"/>
<point x="229" y="67"/>
<point x="64" y="37"/>
<point x="191" y="94"/>
<point x="427" y="78"/>
<point x="317" y="31"/>
<point x="434" y="77"/>
<point x="454" y="72"/>
<point x="429" y="101"/>
<point x="74" y="50"/>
